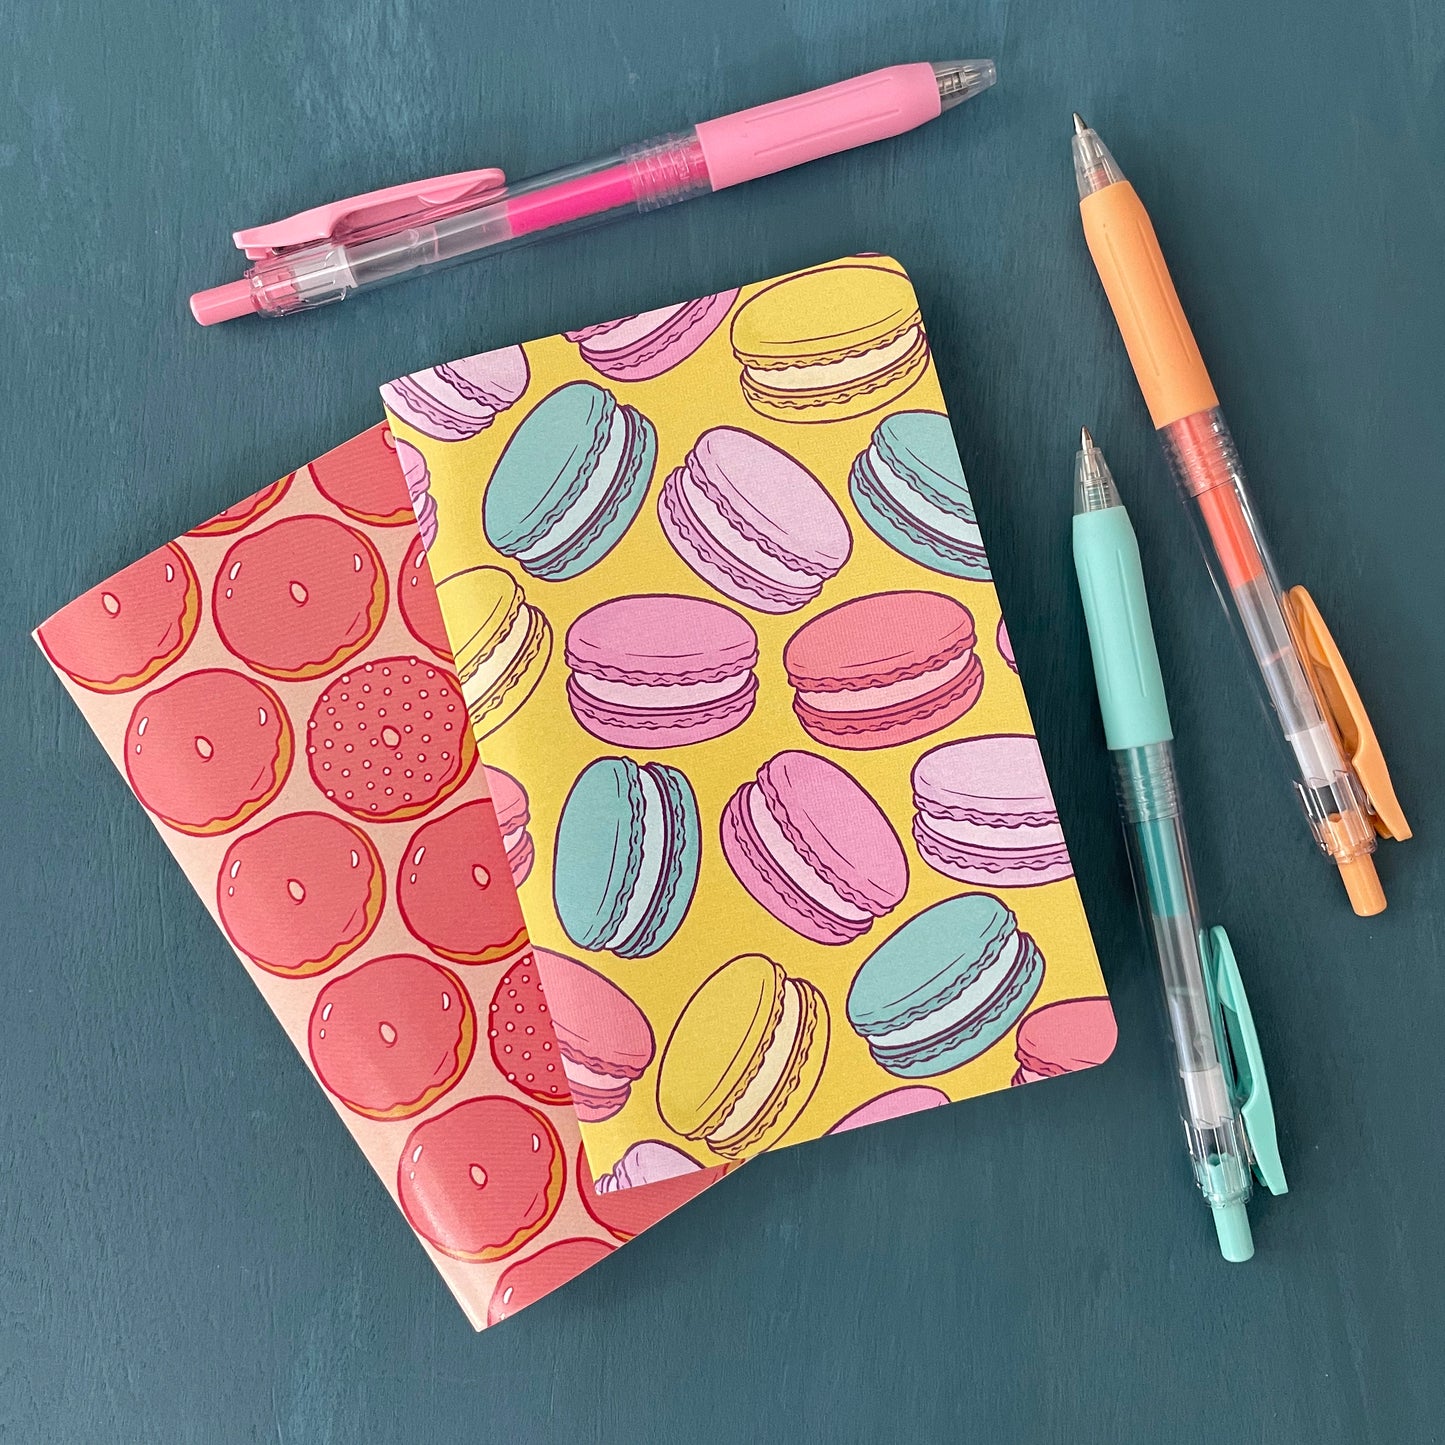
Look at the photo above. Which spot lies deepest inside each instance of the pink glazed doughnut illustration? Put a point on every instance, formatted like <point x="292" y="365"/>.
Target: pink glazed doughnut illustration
<point x="208" y="751"/>
<point x="130" y="628"/>
<point x="301" y="893"/>
<point x="482" y="1179"/>
<point x="391" y="1037"/>
<point x="363" y="478"/>
<point x="300" y="598"/>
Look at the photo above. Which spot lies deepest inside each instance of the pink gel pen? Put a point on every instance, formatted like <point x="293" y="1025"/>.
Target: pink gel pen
<point x="329" y="253"/>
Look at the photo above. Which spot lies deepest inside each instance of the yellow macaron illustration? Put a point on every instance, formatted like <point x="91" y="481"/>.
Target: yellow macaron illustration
<point x="506" y="643"/>
<point x="743" y="1058"/>
<point x="832" y="343"/>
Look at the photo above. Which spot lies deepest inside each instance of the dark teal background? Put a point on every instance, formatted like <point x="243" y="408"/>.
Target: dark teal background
<point x="191" y="1249"/>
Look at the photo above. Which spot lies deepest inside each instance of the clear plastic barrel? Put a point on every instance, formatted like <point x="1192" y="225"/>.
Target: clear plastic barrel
<point x="1164" y="884"/>
<point x="1206" y="465"/>
<point x="640" y="178"/>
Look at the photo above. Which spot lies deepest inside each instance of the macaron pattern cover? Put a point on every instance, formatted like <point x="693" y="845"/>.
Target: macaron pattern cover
<point x="277" y="688"/>
<point x="722" y="608"/>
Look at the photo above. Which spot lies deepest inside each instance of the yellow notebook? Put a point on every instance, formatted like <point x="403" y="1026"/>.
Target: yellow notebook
<point x="720" y="607"/>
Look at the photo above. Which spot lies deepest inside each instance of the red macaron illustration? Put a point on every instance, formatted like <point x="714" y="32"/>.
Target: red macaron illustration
<point x="299" y="598"/>
<point x="130" y="628"/>
<point x="208" y="751"/>
<point x="241" y="514"/>
<point x="455" y="887"/>
<point x="300" y="893"/>
<point x="884" y="669"/>
<point x="391" y="1037"/>
<point x="605" y="1039"/>
<point x="363" y="478"/>
<point x="481" y="1179"/>
<point x="525" y="1282"/>
<point x="1075" y="1033"/>
<point x="389" y="740"/>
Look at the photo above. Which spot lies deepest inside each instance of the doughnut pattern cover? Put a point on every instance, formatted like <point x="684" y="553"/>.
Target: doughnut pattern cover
<point x="776" y="754"/>
<point x="277" y="688"/>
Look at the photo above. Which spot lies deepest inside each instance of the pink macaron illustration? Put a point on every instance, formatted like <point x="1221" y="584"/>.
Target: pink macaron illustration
<point x="986" y="813"/>
<point x="661" y="671"/>
<point x="884" y="669"/>
<point x="638" y="348"/>
<point x="418" y="488"/>
<point x="1077" y="1033"/>
<point x="453" y="402"/>
<point x="510" y="803"/>
<point x="1005" y="646"/>
<point x="753" y="522"/>
<point x="810" y="845"/>
<point x="604" y="1038"/>
<point x="895" y="1104"/>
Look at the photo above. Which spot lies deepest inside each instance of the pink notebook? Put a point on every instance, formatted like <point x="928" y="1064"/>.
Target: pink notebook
<point x="276" y="688"/>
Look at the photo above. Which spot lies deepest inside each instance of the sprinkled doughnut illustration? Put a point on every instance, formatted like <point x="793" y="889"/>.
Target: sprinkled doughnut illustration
<point x="524" y="1046"/>
<point x="389" y="740"/>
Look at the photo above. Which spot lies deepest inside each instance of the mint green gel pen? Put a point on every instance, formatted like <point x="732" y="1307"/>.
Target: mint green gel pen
<point x="1228" y="1119"/>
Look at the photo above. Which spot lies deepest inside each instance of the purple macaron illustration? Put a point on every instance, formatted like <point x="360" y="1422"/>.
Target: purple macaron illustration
<point x="453" y="402"/>
<point x="986" y="813"/>
<point x="809" y="844"/>
<point x="661" y="671"/>
<point x="641" y="347"/>
<point x="753" y="522"/>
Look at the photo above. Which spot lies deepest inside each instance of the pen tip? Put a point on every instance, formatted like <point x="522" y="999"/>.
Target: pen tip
<point x="1079" y="124"/>
<point x="1086" y="442"/>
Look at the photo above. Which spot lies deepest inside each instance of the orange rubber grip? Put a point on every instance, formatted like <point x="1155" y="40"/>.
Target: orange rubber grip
<point x="1130" y="264"/>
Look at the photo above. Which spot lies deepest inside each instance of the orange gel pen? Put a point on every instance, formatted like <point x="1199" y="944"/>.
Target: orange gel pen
<point x="1340" y="774"/>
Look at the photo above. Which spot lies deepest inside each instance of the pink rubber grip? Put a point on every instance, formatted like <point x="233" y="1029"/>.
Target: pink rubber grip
<point x="768" y="138"/>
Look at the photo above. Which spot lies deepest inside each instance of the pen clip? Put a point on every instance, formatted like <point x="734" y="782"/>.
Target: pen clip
<point x="1336" y="690"/>
<point x="1248" y="1082"/>
<point x="358" y="217"/>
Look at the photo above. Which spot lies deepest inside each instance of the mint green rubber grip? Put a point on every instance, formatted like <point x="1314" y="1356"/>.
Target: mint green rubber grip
<point x="1121" y="639"/>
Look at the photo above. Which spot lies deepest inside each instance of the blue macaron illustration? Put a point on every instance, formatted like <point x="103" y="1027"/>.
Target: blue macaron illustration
<point x="945" y="987"/>
<point x="570" y="481"/>
<point x="908" y="486"/>
<point x="627" y="854"/>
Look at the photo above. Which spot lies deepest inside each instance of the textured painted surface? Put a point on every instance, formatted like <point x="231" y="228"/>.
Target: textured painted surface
<point x="191" y="1249"/>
